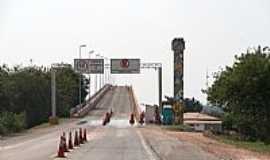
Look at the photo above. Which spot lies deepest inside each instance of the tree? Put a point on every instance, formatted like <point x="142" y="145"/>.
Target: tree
<point x="243" y="91"/>
<point x="67" y="90"/>
<point x="192" y="105"/>
<point x="25" y="93"/>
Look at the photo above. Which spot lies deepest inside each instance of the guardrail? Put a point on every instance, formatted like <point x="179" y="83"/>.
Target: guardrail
<point x="85" y="107"/>
<point x="135" y="105"/>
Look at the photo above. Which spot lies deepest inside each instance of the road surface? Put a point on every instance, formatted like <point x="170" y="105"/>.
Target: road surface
<point x="118" y="140"/>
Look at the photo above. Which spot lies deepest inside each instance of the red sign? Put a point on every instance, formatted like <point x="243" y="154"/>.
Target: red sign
<point x="124" y="63"/>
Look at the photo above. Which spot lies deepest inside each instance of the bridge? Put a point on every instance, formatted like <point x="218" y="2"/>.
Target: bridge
<point x="117" y="140"/>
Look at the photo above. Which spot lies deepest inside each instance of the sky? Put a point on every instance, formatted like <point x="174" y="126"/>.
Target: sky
<point x="51" y="31"/>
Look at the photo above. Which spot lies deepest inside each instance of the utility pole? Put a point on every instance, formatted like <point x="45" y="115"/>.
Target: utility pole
<point x="53" y="118"/>
<point x="53" y="93"/>
<point x="54" y="67"/>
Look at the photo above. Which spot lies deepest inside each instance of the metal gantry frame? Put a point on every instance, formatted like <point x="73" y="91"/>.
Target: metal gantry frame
<point x="156" y="66"/>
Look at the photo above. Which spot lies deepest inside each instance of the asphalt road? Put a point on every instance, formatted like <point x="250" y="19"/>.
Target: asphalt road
<point x="118" y="140"/>
<point x="42" y="143"/>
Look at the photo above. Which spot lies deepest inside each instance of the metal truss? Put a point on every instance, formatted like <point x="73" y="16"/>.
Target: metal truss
<point x="143" y="65"/>
<point x="151" y="65"/>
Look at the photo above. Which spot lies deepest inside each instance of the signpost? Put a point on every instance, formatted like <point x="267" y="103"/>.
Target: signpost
<point x="125" y="66"/>
<point x="89" y="66"/>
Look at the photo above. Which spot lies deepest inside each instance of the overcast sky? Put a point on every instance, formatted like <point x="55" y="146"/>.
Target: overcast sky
<point x="50" y="31"/>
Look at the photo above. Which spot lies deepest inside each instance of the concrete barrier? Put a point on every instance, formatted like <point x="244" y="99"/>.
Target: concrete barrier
<point x="134" y="102"/>
<point x="83" y="110"/>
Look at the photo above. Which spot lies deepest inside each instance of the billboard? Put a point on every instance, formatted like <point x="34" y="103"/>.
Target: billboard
<point x="89" y="66"/>
<point x="125" y="66"/>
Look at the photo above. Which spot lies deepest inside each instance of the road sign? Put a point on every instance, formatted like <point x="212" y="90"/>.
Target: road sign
<point x="126" y="66"/>
<point x="89" y="66"/>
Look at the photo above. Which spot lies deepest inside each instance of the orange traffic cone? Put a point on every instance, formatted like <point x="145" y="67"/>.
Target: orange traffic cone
<point x="61" y="152"/>
<point x="70" y="145"/>
<point x="104" y="122"/>
<point x="80" y="136"/>
<point x="65" y="142"/>
<point x="141" y="118"/>
<point x="108" y="115"/>
<point x="132" y="121"/>
<point x="85" y="135"/>
<point x="76" y="139"/>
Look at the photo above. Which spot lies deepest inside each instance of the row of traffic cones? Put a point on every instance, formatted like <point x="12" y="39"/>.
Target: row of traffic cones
<point x="79" y="139"/>
<point x="132" y="118"/>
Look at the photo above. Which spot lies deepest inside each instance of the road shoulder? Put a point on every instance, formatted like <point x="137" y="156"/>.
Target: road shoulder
<point x="169" y="147"/>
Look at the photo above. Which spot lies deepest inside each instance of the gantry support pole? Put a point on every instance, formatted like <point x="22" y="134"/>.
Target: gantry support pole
<point x="160" y="88"/>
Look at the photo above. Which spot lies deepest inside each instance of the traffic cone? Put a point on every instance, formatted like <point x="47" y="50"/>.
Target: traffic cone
<point x="61" y="152"/>
<point x="141" y="118"/>
<point x="132" y="121"/>
<point x="108" y="115"/>
<point x="70" y="145"/>
<point x="105" y="120"/>
<point x="85" y="135"/>
<point x="80" y="136"/>
<point x="76" y="140"/>
<point x="65" y="142"/>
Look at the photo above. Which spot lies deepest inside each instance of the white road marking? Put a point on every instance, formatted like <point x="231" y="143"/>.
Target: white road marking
<point x="147" y="149"/>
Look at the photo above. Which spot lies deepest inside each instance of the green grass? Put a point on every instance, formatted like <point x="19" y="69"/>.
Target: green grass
<point x="253" y="146"/>
<point x="177" y="128"/>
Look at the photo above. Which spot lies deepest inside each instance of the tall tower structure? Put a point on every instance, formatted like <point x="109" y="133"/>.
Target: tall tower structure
<point x="178" y="47"/>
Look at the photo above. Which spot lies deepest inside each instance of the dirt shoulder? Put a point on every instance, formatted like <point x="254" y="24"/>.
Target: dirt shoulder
<point x="169" y="147"/>
<point x="36" y="131"/>
<point x="221" y="150"/>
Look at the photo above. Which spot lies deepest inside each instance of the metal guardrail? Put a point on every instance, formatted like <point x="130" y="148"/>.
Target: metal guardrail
<point x="82" y="110"/>
<point x="135" y="105"/>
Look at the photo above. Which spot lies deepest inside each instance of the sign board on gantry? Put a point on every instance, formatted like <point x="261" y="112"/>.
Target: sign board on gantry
<point x="89" y="66"/>
<point x="125" y="66"/>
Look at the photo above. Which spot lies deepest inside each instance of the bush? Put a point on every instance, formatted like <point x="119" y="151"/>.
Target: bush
<point x="3" y="129"/>
<point x="19" y="122"/>
<point x="11" y="122"/>
<point x="182" y="128"/>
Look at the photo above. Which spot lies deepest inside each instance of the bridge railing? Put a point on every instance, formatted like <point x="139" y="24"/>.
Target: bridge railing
<point x="85" y="107"/>
<point x="134" y="102"/>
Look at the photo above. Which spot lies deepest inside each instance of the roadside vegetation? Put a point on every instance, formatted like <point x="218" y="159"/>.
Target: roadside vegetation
<point x="192" y="105"/>
<point x="25" y="95"/>
<point x="256" y="146"/>
<point x="178" y="128"/>
<point x="242" y="91"/>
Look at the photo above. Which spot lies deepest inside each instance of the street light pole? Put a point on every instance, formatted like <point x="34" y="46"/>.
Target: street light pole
<point x="96" y="78"/>
<point x="90" y="52"/>
<point x="103" y="72"/>
<point x="80" y="78"/>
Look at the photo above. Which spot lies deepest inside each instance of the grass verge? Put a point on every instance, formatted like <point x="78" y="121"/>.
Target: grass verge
<point x="179" y="128"/>
<point x="253" y="146"/>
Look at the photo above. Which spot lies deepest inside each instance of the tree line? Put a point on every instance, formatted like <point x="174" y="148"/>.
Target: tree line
<point x="242" y="91"/>
<point x="25" y="95"/>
